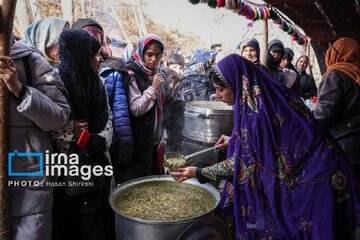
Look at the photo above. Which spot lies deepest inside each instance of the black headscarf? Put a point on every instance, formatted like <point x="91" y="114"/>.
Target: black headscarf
<point x="289" y="53"/>
<point x="274" y="45"/>
<point x="86" y="92"/>
<point x="254" y="44"/>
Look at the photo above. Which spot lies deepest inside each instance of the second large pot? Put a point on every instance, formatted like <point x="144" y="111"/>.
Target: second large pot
<point x="206" y="121"/>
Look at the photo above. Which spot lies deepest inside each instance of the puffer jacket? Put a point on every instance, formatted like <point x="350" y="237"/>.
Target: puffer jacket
<point x="115" y="73"/>
<point x="338" y="109"/>
<point x="42" y="109"/>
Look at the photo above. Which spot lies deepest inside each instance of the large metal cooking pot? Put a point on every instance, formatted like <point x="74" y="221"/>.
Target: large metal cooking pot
<point x="129" y="228"/>
<point x="206" y="121"/>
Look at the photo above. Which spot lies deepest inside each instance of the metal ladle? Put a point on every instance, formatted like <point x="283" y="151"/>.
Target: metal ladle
<point x="187" y="157"/>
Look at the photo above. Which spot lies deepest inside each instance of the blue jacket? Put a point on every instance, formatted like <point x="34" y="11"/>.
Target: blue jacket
<point x="123" y="139"/>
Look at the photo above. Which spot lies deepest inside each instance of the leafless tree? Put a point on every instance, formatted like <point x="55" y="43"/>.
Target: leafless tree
<point x="119" y="22"/>
<point x="142" y="19"/>
<point x="136" y="20"/>
<point x="24" y="16"/>
<point x="68" y="10"/>
<point x="35" y="10"/>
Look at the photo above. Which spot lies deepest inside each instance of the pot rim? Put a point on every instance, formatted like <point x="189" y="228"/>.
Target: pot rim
<point x="129" y="183"/>
<point x="191" y="106"/>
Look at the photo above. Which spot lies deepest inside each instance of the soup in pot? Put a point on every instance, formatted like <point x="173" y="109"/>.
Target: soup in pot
<point x="164" y="201"/>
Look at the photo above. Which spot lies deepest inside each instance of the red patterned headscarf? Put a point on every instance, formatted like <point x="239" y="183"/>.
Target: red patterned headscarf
<point x="95" y="31"/>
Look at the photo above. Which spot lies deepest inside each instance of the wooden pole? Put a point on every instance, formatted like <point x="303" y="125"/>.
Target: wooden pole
<point x="309" y="56"/>
<point x="264" y="47"/>
<point x="7" y="10"/>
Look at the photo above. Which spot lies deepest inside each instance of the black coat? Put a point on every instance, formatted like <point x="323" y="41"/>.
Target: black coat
<point x="278" y="74"/>
<point x="144" y="161"/>
<point x="307" y="87"/>
<point x="339" y="110"/>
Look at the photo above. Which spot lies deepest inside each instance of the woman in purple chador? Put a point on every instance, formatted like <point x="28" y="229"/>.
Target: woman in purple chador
<point x="286" y="177"/>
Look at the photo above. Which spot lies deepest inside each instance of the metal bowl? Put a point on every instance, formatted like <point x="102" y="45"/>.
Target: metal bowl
<point x="169" y="168"/>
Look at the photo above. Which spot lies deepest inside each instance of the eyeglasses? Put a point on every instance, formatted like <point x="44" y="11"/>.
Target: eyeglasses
<point x="332" y="46"/>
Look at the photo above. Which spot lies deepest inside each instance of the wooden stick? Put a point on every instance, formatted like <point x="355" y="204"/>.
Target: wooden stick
<point x="7" y="10"/>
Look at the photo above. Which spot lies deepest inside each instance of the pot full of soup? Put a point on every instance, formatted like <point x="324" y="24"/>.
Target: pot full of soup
<point x="159" y="208"/>
<point x="206" y="121"/>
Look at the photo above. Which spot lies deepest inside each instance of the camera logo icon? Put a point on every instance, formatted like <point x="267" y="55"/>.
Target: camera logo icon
<point x="11" y="158"/>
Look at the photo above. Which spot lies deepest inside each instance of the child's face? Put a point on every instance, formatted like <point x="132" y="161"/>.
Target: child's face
<point x="173" y="83"/>
<point x="285" y="62"/>
<point x="177" y="68"/>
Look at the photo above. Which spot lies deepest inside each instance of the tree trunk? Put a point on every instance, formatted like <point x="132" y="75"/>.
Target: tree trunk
<point x="136" y="21"/>
<point x="142" y="19"/>
<point x="264" y="45"/>
<point x="122" y="28"/>
<point x="303" y="50"/>
<point x="309" y="56"/>
<point x="68" y="10"/>
<point x="35" y="10"/>
<point x="24" y="16"/>
<point x="7" y="10"/>
<point x="84" y="9"/>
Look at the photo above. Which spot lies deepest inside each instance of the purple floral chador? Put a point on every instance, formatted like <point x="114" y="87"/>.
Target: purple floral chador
<point x="291" y="179"/>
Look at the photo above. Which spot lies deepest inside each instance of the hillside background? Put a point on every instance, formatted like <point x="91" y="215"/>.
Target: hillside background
<point x="176" y="22"/>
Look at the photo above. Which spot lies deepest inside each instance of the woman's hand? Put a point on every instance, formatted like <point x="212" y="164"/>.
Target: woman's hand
<point x="9" y="75"/>
<point x="223" y="142"/>
<point x="184" y="173"/>
<point x="79" y="126"/>
<point x="157" y="81"/>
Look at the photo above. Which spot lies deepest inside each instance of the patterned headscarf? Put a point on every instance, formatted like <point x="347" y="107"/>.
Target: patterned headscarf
<point x="200" y="64"/>
<point x="194" y="81"/>
<point x="289" y="172"/>
<point x="344" y="56"/>
<point x="93" y="30"/>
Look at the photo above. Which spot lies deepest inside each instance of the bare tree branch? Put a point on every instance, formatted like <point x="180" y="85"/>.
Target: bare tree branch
<point x="35" y="10"/>
<point x="122" y="28"/>
<point x="136" y="20"/>
<point x="68" y="10"/>
<point x="24" y="16"/>
<point x="142" y="19"/>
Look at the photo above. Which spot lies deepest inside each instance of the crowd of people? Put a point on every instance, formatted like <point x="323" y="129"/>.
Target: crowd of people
<point x="290" y="173"/>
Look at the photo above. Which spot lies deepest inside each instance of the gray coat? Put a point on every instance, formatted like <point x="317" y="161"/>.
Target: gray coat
<point x="42" y="109"/>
